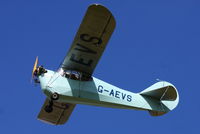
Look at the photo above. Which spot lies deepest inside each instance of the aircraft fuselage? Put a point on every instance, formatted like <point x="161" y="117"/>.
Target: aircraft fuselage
<point x="93" y="92"/>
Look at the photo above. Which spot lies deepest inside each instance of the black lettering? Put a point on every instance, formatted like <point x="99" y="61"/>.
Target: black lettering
<point x="106" y="90"/>
<point x="80" y="61"/>
<point x="117" y="94"/>
<point x="94" y="40"/>
<point x="129" y="98"/>
<point x="123" y="96"/>
<point x="84" y="49"/>
<point x="100" y="88"/>
<point x="111" y="93"/>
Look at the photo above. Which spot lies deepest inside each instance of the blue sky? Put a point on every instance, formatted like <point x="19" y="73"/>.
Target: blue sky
<point x="152" y="40"/>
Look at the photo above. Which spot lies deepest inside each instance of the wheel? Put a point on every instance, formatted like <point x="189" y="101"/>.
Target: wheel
<point x="48" y="109"/>
<point x="55" y="96"/>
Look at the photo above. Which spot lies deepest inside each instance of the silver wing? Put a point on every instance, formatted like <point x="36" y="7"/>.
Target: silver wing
<point x="90" y="41"/>
<point x="60" y="114"/>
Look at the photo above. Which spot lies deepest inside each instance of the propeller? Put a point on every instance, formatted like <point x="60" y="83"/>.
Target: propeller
<point x="34" y="68"/>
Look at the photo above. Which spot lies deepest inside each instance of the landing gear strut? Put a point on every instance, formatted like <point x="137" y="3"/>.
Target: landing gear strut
<point x="49" y="108"/>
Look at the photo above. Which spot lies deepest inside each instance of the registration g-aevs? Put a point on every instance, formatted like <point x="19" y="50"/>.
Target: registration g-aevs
<point x="73" y="83"/>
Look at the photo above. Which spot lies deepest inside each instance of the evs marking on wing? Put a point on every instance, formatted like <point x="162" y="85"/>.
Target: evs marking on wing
<point x="91" y="41"/>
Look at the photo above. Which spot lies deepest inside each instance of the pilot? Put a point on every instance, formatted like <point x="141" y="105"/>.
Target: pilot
<point x="74" y="76"/>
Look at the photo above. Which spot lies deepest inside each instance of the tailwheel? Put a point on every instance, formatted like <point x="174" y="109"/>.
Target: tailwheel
<point x="55" y="96"/>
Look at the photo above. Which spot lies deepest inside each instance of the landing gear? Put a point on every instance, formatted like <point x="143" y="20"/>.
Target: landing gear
<point x="55" y="96"/>
<point x="49" y="108"/>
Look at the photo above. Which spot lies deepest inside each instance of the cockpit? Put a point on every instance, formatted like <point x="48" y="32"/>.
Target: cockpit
<point x="74" y="75"/>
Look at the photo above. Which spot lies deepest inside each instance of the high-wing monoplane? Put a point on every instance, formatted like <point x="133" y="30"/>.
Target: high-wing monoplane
<point x="73" y="82"/>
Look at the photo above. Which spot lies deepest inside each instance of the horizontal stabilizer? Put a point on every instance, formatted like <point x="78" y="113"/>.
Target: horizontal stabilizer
<point x="164" y="93"/>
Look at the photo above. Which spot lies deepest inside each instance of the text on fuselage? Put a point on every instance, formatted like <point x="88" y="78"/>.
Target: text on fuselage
<point x="115" y="93"/>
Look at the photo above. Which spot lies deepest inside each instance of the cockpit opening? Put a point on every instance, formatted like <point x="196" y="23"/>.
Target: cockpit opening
<point x="74" y="75"/>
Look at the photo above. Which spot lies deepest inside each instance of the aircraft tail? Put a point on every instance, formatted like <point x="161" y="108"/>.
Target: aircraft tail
<point x="163" y="94"/>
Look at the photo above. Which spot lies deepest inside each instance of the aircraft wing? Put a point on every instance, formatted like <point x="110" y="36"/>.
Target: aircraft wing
<point x="90" y="41"/>
<point x="60" y="114"/>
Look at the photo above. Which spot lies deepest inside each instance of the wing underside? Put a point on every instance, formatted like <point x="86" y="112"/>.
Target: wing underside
<point x="90" y="41"/>
<point x="60" y="114"/>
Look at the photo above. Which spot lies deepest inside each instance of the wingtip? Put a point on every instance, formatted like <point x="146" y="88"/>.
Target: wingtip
<point x="102" y="8"/>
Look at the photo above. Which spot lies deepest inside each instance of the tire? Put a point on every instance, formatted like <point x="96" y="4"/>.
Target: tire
<point x="55" y="96"/>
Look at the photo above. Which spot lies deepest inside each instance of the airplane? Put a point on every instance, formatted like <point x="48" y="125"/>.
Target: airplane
<point x="73" y="82"/>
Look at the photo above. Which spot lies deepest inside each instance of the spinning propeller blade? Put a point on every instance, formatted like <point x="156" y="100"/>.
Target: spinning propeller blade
<point x="34" y="67"/>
